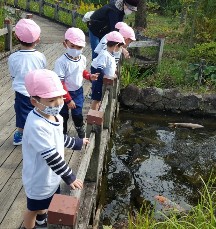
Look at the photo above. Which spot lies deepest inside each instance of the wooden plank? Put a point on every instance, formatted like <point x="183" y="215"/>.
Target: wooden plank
<point x="11" y="164"/>
<point x="140" y="44"/>
<point x="87" y="205"/>
<point x="84" y="164"/>
<point x="14" y="217"/>
<point x="8" y="195"/>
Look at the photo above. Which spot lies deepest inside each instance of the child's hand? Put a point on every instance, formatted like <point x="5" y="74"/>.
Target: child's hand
<point x="71" y="105"/>
<point x="126" y="53"/>
<point x="77" y="184"/>
<point x="94" y="76"/>
<point x="115" y="76"/>
<point x="86" y="141"/>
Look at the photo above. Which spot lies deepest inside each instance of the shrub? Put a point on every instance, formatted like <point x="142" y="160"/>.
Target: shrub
<point x="205" y="51"/>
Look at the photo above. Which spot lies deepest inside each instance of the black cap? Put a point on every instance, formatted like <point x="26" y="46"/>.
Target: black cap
<point x="131" y="4"/>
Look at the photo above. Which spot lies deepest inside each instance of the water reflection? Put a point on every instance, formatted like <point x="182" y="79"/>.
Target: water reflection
<point x="148" y="158"/>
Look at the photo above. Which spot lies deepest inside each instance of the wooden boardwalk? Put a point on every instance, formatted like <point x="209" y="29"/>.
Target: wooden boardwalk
<point x="12" y="196"/>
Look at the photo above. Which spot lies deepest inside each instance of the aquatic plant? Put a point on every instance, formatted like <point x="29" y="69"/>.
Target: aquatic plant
<point x="201" y="216"/>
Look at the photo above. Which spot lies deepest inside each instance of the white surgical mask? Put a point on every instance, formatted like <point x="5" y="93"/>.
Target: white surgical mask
<point x="73" y="52"/>
<point x="127" y="11"/>
<point x="50" y="110"/>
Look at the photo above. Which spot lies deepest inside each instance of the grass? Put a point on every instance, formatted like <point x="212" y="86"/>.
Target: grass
<point x="201" y="216"/>
<point x="173" y="70"/>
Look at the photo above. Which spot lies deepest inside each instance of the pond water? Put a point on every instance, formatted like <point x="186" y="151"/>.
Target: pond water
<point x="148" y="158"/>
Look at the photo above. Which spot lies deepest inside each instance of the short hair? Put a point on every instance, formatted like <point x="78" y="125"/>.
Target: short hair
<point x="114" y="43"/>
<point x="25" y="43"/>
<point x="36" y="98"/>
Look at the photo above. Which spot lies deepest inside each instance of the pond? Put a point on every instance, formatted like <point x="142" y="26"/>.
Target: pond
<point x="147" y="158"/>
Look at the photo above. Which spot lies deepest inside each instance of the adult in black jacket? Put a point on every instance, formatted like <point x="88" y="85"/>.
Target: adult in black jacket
<point x="103" y="20"/>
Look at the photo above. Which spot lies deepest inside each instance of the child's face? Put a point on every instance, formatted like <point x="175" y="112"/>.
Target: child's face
<point x="127" y="41"/>
<point x="73" y="46"/>
<point x="117" y="48"/>
<point x="50" y="102"/>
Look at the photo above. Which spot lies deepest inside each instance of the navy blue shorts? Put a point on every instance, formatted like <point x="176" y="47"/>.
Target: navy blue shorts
<point x="36" y="205"/>
<point x="78" y="98"/>
<point x="22" y="108"/>
<point x="97" y="86"/>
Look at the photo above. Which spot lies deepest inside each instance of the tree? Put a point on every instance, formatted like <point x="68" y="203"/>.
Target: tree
<point x="141" y="16"/>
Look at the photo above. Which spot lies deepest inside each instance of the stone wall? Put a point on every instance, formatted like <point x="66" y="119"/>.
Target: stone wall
<point x="168" y="100"/>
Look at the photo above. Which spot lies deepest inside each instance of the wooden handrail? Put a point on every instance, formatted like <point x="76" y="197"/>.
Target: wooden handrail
<point x="57" y="8"/>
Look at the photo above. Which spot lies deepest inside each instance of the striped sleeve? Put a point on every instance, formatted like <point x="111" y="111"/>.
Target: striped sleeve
<point x="73" y="143"/>
<point x="58" y="165"/>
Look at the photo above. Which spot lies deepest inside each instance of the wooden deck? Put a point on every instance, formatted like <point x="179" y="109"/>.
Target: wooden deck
<point x="12" y="196"/>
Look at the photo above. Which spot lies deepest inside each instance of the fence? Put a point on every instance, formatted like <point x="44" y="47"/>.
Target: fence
<point x="84" y="206"/>
<point x="39" y="8"/>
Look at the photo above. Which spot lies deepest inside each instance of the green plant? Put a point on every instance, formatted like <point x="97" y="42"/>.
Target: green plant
<point x="132" y="73"/>
<point x="202" y="73"/>
<point x="34" y="7"/>
<point x="49" y="11"/>
<point x="205" y="51"/>
<point x="129" y="74"/>
<point x="201" y="216"/>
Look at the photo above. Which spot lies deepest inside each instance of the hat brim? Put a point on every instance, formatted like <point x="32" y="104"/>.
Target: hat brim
<point x="81" y="44"/>
<point x="130" y="7"/>
<point x="53" y="94"/>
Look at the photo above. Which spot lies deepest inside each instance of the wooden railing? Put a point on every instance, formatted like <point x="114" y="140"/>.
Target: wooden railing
<point x="143" y="42"/>
<point x="84" y="206"/>
<point x="8" y="29"/>
<point x="41" y="3"/>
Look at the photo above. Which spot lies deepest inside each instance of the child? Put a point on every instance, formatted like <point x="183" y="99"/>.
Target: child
<point x="127" y="32"/>
<point x="105" y="64"/>
<point x="43" y="146"/>
<point x="20" y="63"/>
<point x="70" y="68"/>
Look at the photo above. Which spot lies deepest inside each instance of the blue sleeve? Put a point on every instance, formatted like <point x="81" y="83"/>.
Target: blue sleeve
<point x="73" y="143"/>
<point x="58" y="165"/>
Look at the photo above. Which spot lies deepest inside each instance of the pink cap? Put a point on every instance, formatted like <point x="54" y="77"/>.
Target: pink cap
<point x="44" y="83"/>
<point x="75" y="36"/>
<point x="120" y="25"/>
<point x="115" y="36"/>
<point x="27" y="30"/>
<point x="127" y="32"/>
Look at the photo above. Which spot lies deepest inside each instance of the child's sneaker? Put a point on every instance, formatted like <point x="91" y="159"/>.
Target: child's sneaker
<point x="41" y="222"/>
<point x="80" y="131"/>
<point x="17" y="138"/>
<point x="44" y="225"/>
<point x="89" y="95"/>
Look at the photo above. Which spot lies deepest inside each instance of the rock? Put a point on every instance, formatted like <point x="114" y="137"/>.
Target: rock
<point x="156" y="99"/>
<point x="189" y="103"/>
<point x="129" y="95"/>
<point x="150" y="95"/>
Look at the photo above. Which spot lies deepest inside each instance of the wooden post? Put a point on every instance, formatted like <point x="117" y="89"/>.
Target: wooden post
<point x="56" y="16"/>
<point x="29" y="16"/>
<point x="160" y="48"/>
<point x="95" y="119"/>
<point x="27" y="5"/>
<point x="8" y="36"/>
<point x="73" y="17"/>
<point x="41" y="10"/>
<point x="17" y="15"/>
<point x="108" y="85"/>
<point x="15" y="3"/>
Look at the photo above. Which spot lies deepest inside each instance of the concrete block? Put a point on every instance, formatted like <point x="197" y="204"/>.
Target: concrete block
<point x="63" y="210"/>
<point x="107" y="81"/>
<point x="95" y="117"/>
